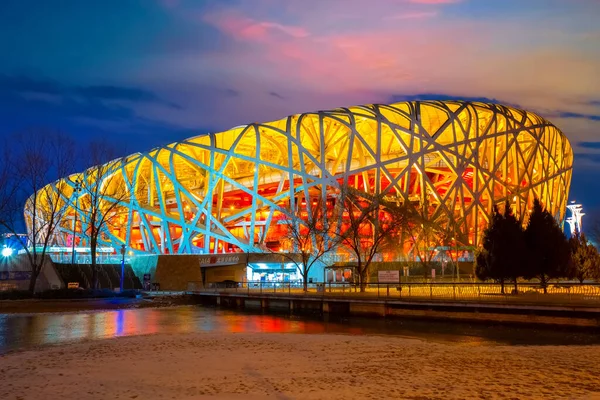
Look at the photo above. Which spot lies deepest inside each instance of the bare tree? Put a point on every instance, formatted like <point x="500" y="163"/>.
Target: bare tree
<point x="8" y="186"/>
<point x="310" y="234"/>
<point x="99" y="204"/>
<point x="452" y="239"/>
<point x="39" y="159"/>
<point x="369" y="224"/>
<point x="425" y="235"/>
<point x="449" y="243"/>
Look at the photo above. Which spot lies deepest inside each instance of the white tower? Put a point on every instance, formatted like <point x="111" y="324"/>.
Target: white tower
<point x="574" y="220"/>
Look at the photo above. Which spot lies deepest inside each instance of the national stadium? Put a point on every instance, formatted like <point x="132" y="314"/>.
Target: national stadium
<point x="219" y="200"/>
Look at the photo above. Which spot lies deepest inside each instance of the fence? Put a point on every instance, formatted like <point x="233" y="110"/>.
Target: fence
<point x="568" y="293"/>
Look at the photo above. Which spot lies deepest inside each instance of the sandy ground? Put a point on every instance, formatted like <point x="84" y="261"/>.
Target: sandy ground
<point x="285" y="366"/>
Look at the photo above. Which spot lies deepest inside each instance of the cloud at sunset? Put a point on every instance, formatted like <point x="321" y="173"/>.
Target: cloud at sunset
<point x="434" y="1"/>
<point x="199" y="66"/>
<point x="453" y="55"/>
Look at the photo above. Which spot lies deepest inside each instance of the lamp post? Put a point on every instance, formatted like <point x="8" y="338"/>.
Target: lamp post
<point x="456" y="264"/>
<point x="76" y="191"/>
<point x="6" y="251"/>
<point x="122" y="266"/>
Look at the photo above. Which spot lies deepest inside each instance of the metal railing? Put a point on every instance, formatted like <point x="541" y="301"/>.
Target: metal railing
<point x="563" y="293"/>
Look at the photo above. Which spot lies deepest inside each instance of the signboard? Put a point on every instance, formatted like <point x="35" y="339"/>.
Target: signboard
<point x="388" y="276"/>
<point x="147" y="281"/>
<point x="15" y="275"/>
<point x="224" y="259"/>
<point x="73" y="285"/>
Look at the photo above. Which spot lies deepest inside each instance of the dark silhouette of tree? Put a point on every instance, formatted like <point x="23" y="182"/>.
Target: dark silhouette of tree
<point x="8" y="186"/>
<point x="449" y="242"/>
<point x="548" y="248"/>
<point x="585" y="258"/>
<point x="103" y="191"/>
<point x="425" y="235"/>
<point x="369" y="224"/>
<point x="482" y="264"/>
<point x="515" y="238"/>
<point x="593" y="230"/>
<point x="310" y="234"/>
<point x="450" y="237"/>
<point x="504" y="253"/>
<point x="31" y="173"/>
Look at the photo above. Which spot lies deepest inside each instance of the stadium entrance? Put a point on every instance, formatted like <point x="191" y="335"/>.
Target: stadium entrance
<point x="259" y="268"/>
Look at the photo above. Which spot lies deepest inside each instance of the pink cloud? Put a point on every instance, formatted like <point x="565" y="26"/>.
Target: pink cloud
<point x="262" y="29"/>
<point x="322" y="55"/>
<point x="435" y="1"/>
<point x="386" y="58"/>
<point x="241" y="27"/>
<point x="413" y="15"/>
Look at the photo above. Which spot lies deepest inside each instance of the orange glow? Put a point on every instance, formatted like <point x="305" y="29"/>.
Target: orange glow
<point x="454" y="159"/>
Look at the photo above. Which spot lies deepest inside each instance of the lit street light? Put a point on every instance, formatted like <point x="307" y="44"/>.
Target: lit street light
<point x="7" y="252"/>
<point x="122" y="267"/>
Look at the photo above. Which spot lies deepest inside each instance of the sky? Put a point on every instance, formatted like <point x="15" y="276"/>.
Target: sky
<point x="144" y="73"/>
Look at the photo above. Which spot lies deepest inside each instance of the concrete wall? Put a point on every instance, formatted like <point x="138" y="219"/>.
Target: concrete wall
<point x="173" y="272"/>
<point x="48" y="278"/>
<point x="588" y="317"/>
<point x="236" y="273"/>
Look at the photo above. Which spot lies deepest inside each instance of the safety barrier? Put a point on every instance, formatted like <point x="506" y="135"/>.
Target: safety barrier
<point x="556" y="293"/>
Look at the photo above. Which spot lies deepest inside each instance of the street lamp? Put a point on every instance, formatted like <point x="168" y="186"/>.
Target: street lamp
<point x="456" y="264"/>
<point x="7" y="252"/>
<point x="122" y="266"/>
<point x="76" y="191"/>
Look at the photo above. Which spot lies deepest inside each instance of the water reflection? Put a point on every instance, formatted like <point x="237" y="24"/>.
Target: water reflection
<point x="20" y="331"/>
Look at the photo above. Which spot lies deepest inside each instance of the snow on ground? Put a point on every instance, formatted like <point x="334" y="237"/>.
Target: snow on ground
<point x="285" y="366"/>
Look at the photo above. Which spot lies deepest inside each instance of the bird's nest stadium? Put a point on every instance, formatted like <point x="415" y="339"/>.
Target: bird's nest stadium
<point x="229" y="192"/>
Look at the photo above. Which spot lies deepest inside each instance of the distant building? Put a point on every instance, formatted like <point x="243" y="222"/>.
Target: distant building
<point x="574" y="220"/>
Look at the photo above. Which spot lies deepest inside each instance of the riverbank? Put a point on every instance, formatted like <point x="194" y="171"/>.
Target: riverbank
<point x="286" y="366"/>
<point x="69" y="305"/>
<point x="366" y="306"/>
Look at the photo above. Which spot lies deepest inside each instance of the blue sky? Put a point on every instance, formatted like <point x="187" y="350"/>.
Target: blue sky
<point x="142" y="73"/>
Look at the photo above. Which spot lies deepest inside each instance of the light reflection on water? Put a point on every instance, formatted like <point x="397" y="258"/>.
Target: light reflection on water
<point x="18" y="331"/>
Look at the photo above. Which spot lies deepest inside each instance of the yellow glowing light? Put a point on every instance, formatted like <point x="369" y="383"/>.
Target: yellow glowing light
<point x="445" y="165"/>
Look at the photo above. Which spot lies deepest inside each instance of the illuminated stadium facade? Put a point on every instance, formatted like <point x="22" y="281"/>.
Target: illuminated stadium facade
<point x="229" y="191"/>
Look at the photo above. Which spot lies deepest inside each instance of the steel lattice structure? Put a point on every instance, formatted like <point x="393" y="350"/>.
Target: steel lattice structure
<point x="227" y="191"/>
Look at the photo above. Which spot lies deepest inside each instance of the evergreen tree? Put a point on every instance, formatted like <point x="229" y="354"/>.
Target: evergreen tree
<point x="586" y="260"/>
<point x="516" y="251"/>
<point x="503" y="254"/>
<point x="482" y="264"/>
<point x="548" y="248"/>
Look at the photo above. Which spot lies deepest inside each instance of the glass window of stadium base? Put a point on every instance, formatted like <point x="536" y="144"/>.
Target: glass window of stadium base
<point x="273" y="272"/>
<point x="255" y="268"/>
